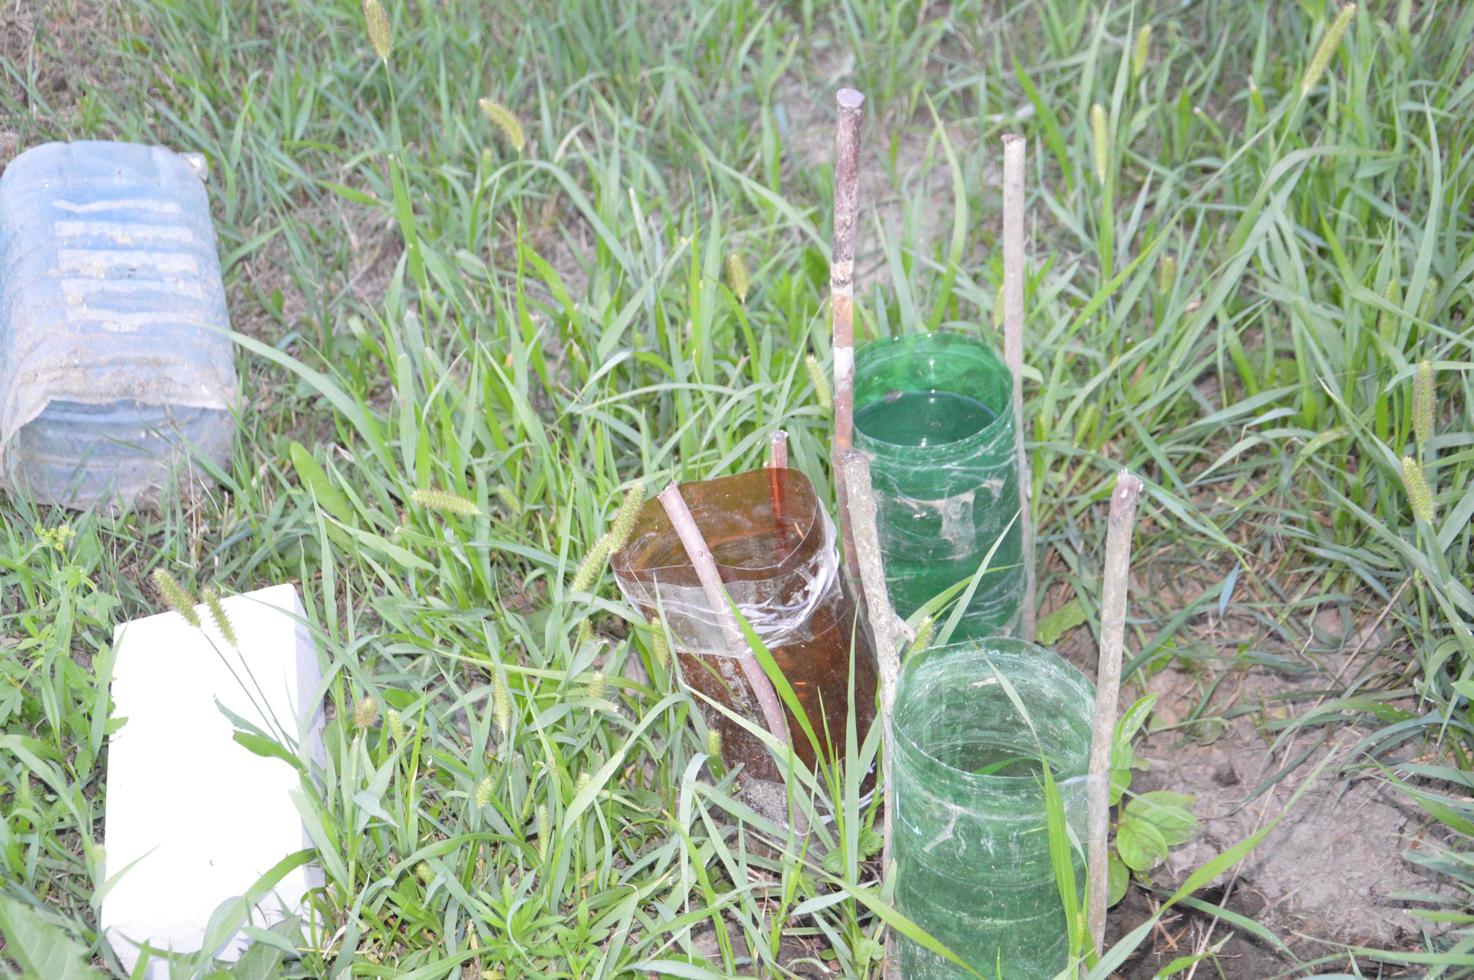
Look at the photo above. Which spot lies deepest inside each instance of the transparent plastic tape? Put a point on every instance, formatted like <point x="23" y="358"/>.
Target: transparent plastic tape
<point x="934" y="413"/>
<point x="116" y="368"/>
<point x="774" y="546"/>
<point x="970" y="831"/>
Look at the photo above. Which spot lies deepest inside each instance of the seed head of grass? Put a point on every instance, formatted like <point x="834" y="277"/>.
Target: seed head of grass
<point x="1140" y="51"/>
<point x="366" y="713"/>
<point x="483" y="793"/>
<point x="1423" y="403"/>
<point x="822" y="394"/>
<point x="659" y="648"/>
<point x="445" y="502"/>
<point x="611" y="541"/>
<point x="597" y="684"/>
<point x="508" y="499"/>
<point x="714" y="743"/>
<point x="501" y="705"/>
<point x="1418" y="492"/>
<point x="1100" y="147"/>
<point x="379" y="33"/>
<point x="1326" y="50"/>
<point x="737" y="277"/>
<point x="624" y="517"/>
<point x="396" y="726"/>
<point x="1386" y="320"/>
<point x="505" y="120"/>
<point x="222" y="622"/>
<point x="1166" y="273"/>
<point x="593" y="563"/>
<point x="925" y="633"/>
<point x="176" y="596"/>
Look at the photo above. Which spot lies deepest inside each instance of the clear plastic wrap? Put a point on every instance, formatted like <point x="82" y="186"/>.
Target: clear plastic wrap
<point x="934" y="413"/>
<point x="774" y="546"/>
<point x="970" y="833"/>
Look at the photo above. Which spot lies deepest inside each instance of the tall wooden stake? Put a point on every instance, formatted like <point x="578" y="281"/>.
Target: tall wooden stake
<point x="1013" y="355"/>
<point x="891" y="636"/>
<point x="711" y="583"/>
<point x="1114" y="584"/>
<point x="842" y="301"/>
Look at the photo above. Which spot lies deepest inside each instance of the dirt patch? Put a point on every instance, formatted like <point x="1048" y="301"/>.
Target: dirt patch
<point x="1186" y="932"/>
<point x="61" y="51"/>
<point x="1331" y="869"/>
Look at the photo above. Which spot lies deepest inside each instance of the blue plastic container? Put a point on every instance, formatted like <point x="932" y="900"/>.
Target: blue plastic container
<point x="116" y="369"/>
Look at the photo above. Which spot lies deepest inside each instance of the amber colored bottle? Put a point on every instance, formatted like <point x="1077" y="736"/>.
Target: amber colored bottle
<point x="774" y="547"/>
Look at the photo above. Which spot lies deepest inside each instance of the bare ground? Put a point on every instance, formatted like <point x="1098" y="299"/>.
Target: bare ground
<point x="1330" y="871"/>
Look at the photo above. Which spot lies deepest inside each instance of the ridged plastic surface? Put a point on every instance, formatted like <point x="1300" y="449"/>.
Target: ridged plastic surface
<point x="945" y="475"/>
<point x="116" y="369"/>
<point x="971" y="838"/>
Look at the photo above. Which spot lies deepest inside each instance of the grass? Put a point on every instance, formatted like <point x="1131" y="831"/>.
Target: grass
<point x="1234" y="278"/>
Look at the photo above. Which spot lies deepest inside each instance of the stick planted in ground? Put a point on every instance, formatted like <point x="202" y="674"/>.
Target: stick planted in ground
<point x="1114" y="585"/>
<point x="711" y="583"/>
<point x="778" y="450"/>
<point x="842" y="300"/>
<point x="891" y="632"/>
<point x="778" y="460"/>
<point x="1013" y="353"/>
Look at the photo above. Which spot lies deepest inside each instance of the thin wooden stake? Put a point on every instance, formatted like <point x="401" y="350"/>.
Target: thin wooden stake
<point x="1013" y="354"/>
<point x="778" y="460"/>
<point x="778" y="450"/>
<point x="1114" y="584"/>
<point x="842" y="300"/>
<point x="711" y="582"/>
<point x="891" y="635"/>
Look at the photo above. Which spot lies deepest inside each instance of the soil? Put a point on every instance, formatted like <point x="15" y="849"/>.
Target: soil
<point x="1184" y="932"/>
<point x="1330" y="871"/>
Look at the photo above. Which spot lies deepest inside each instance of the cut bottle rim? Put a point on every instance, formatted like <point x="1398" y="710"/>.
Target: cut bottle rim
<point x="946" y="362"/>
<point x="981" y="663"/>
<point x="654" y="549"/>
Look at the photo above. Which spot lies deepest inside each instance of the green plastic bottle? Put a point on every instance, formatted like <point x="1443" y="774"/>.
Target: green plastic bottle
<point x="935" y="414"/>
<point x="971" y="836"/>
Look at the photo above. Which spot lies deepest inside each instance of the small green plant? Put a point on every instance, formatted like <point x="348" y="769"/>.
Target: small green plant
<point x="1148" y="825"/>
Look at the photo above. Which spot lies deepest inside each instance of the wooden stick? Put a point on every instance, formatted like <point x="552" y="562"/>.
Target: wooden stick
<point x="1013" y="354"/>
<point x="891" y="632"/>
<point x="711" y="582"/>
<point x="1114" y="584"/>
<point x="778" y="460"/>
<point x="891" y="635"/>
<point x="842" y="300"/>
<point x="778" y="450"/>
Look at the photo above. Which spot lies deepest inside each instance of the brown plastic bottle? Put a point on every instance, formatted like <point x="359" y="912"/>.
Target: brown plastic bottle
<point x="775" y="551"/>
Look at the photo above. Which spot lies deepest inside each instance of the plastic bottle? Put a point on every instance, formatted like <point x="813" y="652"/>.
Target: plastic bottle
<point x="116" y="370"/>
<point x="971" y="839"/>
<point x="775" y="550"/>
<point x="934" y="413"/>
